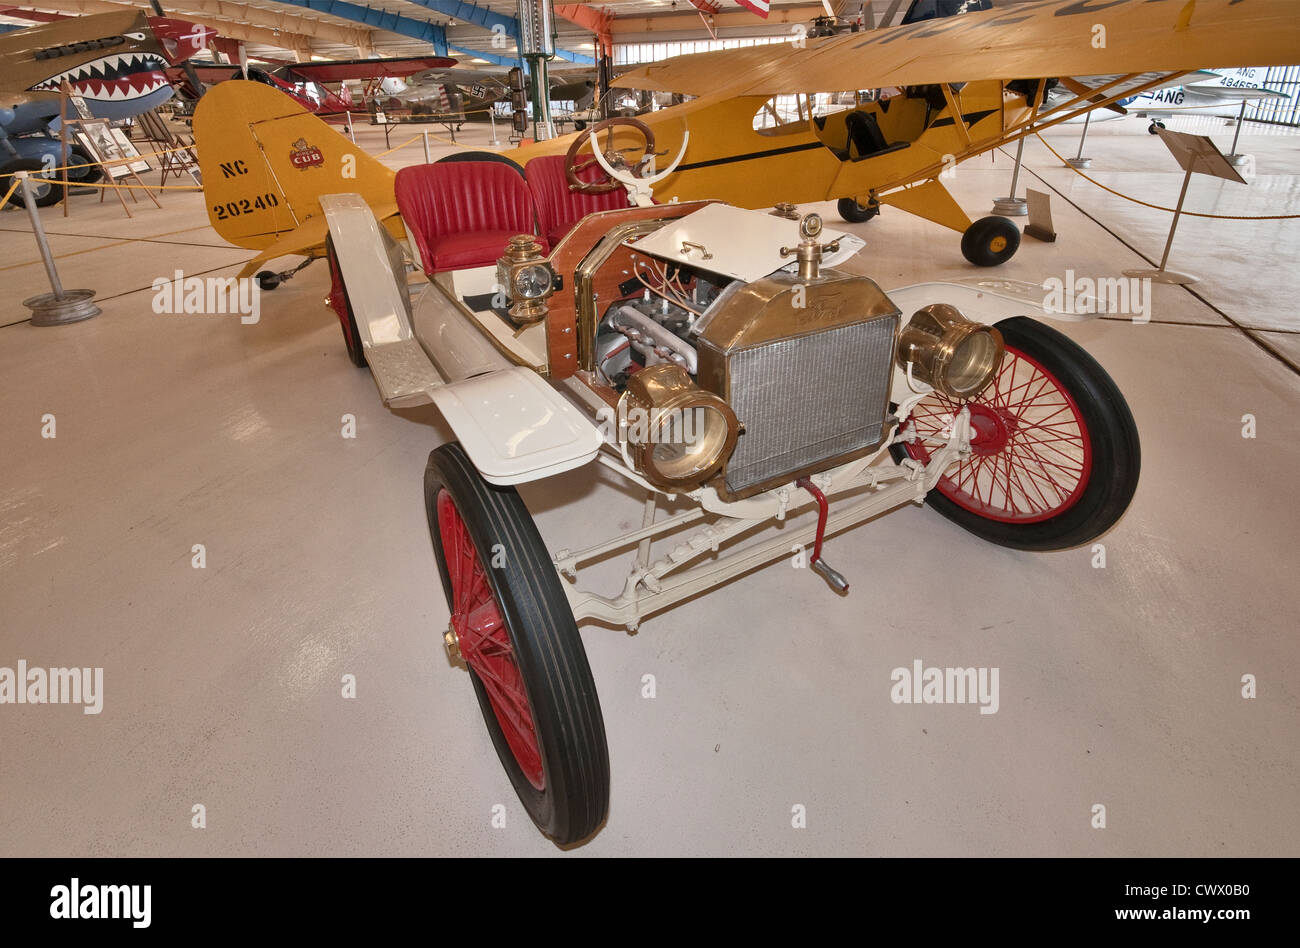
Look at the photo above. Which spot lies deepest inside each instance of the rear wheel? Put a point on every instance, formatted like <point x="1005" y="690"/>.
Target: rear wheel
<point x="1055" y="452"/>
<point x="515" y="632"/>
<point x="990" y="241"/>
<point x="338" y="301"/>
<point x="856" y="213"/>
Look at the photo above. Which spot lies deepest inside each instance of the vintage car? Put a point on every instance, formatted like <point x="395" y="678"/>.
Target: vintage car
<point x="557" y="317"/>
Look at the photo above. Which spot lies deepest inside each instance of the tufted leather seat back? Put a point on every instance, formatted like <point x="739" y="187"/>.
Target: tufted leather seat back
<point x="558" y="208"/>
<point x="445" y="204"/>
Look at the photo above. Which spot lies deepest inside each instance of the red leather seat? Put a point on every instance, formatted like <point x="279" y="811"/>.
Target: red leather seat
<point x="558" y="208"/>
<point x="463" y="213"/>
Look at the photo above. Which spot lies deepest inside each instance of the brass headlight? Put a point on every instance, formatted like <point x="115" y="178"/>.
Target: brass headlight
<point x="677" y="433"/>
<point x="955" y="355"/>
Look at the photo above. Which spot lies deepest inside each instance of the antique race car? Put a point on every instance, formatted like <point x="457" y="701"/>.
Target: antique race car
<point x="557" y="317"/>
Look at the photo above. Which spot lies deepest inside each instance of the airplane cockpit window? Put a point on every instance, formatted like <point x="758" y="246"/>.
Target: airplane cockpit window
<point x="784" y="114"/>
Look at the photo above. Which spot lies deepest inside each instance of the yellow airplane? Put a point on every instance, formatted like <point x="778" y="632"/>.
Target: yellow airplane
<point x="266" y="161"/>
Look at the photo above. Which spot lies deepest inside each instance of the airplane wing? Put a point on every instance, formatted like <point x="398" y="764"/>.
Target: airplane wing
<point x="341" y="70"/>
<point x="1040" y="38"/>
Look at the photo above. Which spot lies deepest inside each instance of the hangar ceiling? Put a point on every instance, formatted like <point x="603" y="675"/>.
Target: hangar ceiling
<point x="302" y="29"/>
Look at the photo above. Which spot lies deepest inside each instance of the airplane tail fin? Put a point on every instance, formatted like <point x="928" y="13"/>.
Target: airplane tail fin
<point x="266" y="161"/>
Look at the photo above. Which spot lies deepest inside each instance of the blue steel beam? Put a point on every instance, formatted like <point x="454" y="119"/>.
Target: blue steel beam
<point x="436" y="36"/>
<point x="496" y="22"/>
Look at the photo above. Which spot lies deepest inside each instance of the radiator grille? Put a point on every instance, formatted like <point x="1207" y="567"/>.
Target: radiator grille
<point x="809" y="399"/>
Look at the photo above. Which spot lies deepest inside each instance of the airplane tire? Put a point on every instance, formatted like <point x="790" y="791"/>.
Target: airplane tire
<point x="82" y="169"/>
<point x="990" y="241"/>
<point x="43" y="188"/>
<point x="855" y="213"/>
<point x="1154" y="127"/>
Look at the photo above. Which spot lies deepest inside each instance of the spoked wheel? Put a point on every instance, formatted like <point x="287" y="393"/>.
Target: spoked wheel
<point x="342" y="306"/>
<point x="515" y="631"/>
<point x="1055" y="452"/>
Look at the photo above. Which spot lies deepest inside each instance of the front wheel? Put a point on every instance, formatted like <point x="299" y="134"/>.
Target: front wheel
<point x="1055" y="451"/>
<point x="515" y="631"/>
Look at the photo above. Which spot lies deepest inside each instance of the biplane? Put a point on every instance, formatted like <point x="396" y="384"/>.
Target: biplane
<point x="943" y="91"/>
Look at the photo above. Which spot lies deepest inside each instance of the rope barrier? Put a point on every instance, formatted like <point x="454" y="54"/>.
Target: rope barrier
<point x="1157" y="207"/>
<point x="10" y="193"/>
<point x="165" y="151"/>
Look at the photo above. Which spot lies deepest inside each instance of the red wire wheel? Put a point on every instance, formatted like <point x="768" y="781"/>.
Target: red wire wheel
<point x="1055" y="452"/>
<point x="483" y="641"/>
<point x="342" y="306"/>
<point x="517" y="636"/>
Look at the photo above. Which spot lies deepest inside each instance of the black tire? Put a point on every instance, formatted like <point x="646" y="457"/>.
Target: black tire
<point x="1154" y="128"/>
<point x="342" y="306"/>
<point x="990" y="241"/>
<point x="855" y="213"/>
<point x="46" y="192"/>
<point x="1115" y="450"/>
<point x="546" y="647"/>
<point x="82" y="169"/>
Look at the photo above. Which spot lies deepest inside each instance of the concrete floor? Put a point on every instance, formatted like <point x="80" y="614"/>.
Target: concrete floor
<point x="1119" y="686"/>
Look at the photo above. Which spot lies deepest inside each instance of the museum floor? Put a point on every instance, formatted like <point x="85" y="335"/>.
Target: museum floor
<point x="1119" y="686"/>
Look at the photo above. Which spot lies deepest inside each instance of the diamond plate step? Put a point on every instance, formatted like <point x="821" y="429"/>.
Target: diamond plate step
<point x="403" y="372"/>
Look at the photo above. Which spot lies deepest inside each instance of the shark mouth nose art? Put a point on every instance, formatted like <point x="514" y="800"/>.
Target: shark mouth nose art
<point x="111" y="78"/>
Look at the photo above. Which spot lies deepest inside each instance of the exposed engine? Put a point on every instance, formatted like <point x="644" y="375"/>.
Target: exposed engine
<point x="658" y="324"/>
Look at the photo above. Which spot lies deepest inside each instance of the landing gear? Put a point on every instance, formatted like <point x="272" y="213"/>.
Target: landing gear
<point x="1155" y="126"/>
<point x="514" y="629"/>
<point x="269" y="279"/>
<point x="855" y="213"/>
<point x="990" y="241"/>
<point x="1055" y="452"/>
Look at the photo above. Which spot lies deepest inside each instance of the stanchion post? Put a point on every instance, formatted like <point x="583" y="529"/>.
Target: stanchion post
<point x="427" y="159"/>
<point x="1013" y="206"/>
<point x="1078" y="161"/>
<point x="492" y="116"/>
<point x="61" y="306"/>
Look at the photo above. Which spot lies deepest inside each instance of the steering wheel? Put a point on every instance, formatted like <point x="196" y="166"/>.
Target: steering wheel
<point x="612" y="156"/>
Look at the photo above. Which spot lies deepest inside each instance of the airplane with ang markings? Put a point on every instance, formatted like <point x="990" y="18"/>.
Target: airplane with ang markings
<point x="945" y="90"/>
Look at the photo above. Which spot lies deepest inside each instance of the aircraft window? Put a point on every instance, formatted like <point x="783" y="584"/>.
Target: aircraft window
<point x="784" y="113"/>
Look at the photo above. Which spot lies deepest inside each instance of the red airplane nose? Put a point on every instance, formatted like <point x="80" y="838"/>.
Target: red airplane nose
<point x="180" y="39"/>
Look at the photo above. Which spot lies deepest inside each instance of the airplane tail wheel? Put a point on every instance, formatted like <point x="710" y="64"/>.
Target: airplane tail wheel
<point x="990" y="241"/>
<point x="515" y="631"/>
<point x="1154" y="127"/>
<point x="43" y="190"/>
<point x="338" y="301"/>
<point x="1055" y="452"/>
<point x="855" y="213"/>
